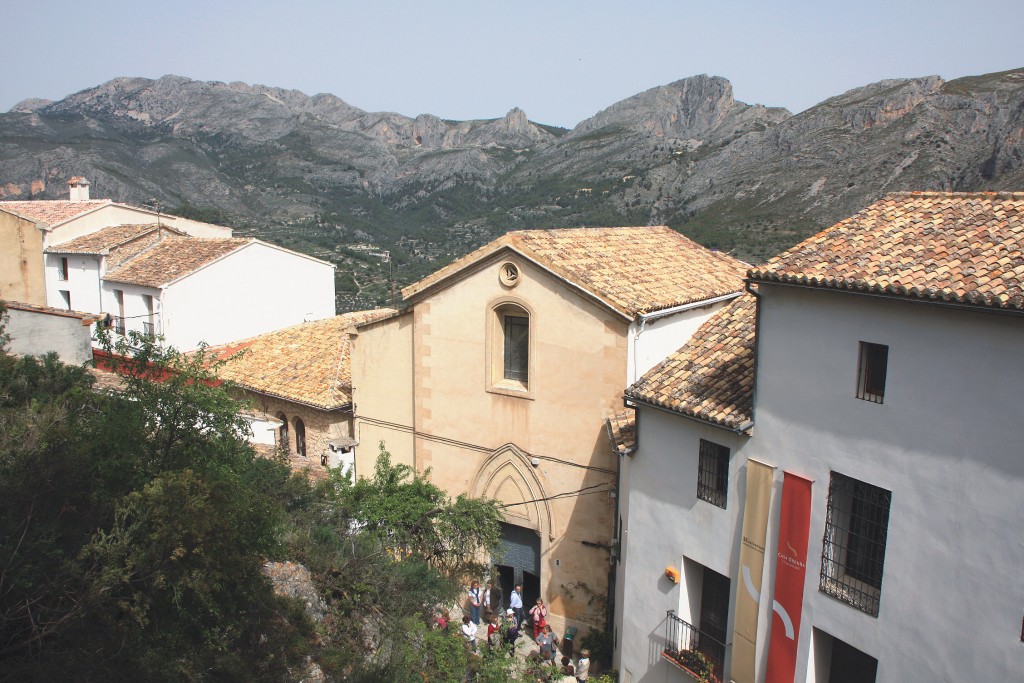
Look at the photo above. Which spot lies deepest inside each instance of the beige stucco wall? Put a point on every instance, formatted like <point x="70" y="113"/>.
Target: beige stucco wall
<point x="480" y="441"/>
<point x="21" y="261"/>
<point x="381" y="364"/>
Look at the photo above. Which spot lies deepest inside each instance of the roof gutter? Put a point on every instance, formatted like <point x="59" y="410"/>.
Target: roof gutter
<point x="665" y="312"/>
<point x="757" y="345"/>
<point x="888" y="297"/>
<point x="743" y="428"/>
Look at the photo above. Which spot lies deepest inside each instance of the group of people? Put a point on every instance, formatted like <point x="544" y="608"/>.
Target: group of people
<point x="504" y="627"/>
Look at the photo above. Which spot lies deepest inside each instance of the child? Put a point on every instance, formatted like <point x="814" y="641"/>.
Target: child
<point x="493" y="632"/>
<point x="583" y="666"/>
<point x="468" y="629"/>
<point x="511" y="631"/>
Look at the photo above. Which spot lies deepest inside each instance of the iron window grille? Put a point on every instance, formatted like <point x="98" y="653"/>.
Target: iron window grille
<point x="148" y="330"/>
<point x="853" y="548"/>
<point x="871" y="371"/>
<point x="713" y="473"/>
<point x="517" y="347"/>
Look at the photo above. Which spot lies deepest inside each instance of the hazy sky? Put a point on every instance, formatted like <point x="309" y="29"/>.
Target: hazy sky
<point x="561" y="62"/>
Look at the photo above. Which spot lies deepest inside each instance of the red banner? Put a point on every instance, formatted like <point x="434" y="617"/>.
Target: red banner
<point x="790" y="570"/>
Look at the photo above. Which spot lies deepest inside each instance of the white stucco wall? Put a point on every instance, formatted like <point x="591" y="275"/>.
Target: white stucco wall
<point x="135" y="310"/>
<point x="653" y="338"/>
<point x="83" y="282"/>
<point x="36" y="333"/>
<point x="117" y="214"/>
<point x="663" y="523"/>
<point x="253" y="290"/>
<point x="944" y="443"/>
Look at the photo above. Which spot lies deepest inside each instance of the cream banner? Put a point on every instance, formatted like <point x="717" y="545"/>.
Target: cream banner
<point x="748" y="595"/>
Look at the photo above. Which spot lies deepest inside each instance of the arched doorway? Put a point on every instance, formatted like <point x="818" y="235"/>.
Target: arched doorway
<point x="300" y="437"/>
<point x="282" y="433"/>
<point x="509" y="476"/>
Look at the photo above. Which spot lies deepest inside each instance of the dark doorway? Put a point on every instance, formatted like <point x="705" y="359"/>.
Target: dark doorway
<point x="518" y="562"/>
<point x="850" y="665"/>
<point x="531" y="590"/>
<point x="506" y="578"/>
<point x="714" y="618"/>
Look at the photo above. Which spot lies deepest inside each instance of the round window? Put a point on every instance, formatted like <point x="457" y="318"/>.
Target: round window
<point x="508" y="274"/>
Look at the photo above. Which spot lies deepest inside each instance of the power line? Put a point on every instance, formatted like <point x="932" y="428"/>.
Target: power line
<point x="585" y="491"/>
<point x="475" y="447"/>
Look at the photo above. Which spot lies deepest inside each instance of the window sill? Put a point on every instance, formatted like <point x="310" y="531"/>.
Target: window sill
<point x="511" y="387"/>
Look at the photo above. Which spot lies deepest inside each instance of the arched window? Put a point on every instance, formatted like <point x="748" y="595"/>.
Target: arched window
<point x="300" y="437"/>
<point x="282" y="433"/>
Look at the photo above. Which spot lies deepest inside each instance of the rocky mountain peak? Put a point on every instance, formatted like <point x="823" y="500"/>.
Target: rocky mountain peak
<point x="686" y="109"/>
<point x="30" y="105"/>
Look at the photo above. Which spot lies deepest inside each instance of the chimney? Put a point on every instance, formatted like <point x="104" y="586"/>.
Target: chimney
<point x="79" y="189"/>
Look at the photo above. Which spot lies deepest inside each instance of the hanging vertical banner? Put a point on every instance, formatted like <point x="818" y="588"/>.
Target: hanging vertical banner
<point x="748" y="595"/>
<point x="790" y="570"/>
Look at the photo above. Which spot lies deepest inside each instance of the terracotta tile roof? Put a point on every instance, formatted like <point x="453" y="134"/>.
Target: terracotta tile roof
<point x="106" y="239"/>
<point x="632" y="270"/>
<point x="307" y="363"/>
<point x="86" y="318"/>
<point x="711" y="378"/>
<point x="53" y="211"/>
<point x="962" y="248"/>
<point x="173" y="258"/>
<point x="622" y="431"/>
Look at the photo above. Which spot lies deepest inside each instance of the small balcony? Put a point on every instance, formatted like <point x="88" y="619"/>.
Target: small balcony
<point x="119" y="326"/>
<point x="148" y="330"/>
<point x="695" y="652"/>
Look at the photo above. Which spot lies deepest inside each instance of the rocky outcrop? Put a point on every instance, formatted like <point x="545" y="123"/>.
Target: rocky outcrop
<point x="687" y="109"/>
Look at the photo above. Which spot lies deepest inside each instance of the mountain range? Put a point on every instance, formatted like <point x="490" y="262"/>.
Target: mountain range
<point x="315" y="173"/>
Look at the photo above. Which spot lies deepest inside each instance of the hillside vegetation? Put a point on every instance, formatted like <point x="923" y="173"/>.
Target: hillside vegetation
<point x="321" y="176"/>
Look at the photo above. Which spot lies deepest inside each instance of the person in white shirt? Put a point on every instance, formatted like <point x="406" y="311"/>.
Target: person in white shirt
<point x="583" y="666"/>
<point x="476" y="599"/>
<point x="488" y="610"/>
<point x="468" y="629"/>
<point x="515" y="601"/>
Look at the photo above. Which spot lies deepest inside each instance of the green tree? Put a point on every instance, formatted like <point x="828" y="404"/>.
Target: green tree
<point x="385" y="552"/>
<point x="133" y="527"/>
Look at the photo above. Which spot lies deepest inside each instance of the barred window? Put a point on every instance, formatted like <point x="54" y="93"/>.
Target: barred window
<point x="713" y="473"/>
<point x="853" y="549"/>
<point x="874" y="361"/>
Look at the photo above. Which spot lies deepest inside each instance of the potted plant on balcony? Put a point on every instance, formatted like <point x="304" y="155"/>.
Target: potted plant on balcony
<point x="694" y="662"/>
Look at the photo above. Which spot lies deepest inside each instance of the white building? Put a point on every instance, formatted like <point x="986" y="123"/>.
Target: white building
<point x="888" y="371"/>
<point x="61" y="220"/>
<point x="157" y="281"/>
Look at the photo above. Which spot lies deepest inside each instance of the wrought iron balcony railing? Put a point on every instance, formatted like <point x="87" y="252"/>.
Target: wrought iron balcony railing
<point x="690" y="647"/>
